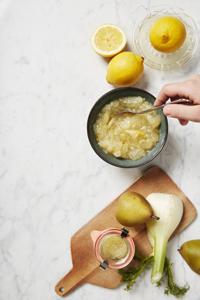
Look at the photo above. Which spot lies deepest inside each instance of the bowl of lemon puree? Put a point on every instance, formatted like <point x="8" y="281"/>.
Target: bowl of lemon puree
<point x="126" y="140"/>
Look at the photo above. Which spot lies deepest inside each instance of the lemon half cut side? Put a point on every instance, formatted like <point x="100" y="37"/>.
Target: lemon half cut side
<point x="108" y="40"/>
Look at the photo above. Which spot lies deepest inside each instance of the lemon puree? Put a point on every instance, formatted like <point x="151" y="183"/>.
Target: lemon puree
<point x="113" y="247"/>
<point x="127" y="136"/>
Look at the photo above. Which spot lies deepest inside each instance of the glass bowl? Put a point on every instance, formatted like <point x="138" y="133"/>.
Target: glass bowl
<point x="156" y="59"/>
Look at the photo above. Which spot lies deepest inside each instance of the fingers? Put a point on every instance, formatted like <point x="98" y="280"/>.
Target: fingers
<point x="174" y="90"/>
<point x="183" y="112"/>
<point x="183" y="122"/>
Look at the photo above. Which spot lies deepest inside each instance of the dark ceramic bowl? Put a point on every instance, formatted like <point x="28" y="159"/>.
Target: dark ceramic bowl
<point x="114" y="95"/>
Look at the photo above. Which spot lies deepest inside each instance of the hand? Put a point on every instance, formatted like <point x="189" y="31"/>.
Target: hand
<point x="189" y="89"/>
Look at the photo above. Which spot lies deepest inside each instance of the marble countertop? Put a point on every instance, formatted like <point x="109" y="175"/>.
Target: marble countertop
<point x="51" y="181"/>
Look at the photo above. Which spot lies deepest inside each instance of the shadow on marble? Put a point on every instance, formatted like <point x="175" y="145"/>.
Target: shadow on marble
<point x="133" y="173"/>
<point x="143" y="83"/>
<point x="173" y="152"/>
<point x="169" y="156"/>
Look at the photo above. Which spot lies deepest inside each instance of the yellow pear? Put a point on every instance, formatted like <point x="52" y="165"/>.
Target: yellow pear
<point x="190" y="251"/>
<point x="132" y="209"/>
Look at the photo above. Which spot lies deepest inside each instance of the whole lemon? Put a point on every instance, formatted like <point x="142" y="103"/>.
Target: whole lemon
<point x="125" y="68"/>
<point x="167" y="34"/>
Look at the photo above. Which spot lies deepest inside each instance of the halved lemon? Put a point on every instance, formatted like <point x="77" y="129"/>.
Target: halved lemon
<point x="108" y="40"/>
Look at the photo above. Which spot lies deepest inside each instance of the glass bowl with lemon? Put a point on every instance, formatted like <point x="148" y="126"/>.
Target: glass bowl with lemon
<point x="166" y="37"/>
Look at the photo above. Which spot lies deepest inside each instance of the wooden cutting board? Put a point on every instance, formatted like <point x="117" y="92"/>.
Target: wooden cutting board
<point x="85" y="266"/>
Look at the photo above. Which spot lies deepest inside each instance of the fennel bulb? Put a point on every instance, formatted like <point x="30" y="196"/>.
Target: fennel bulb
<point x="169" y="208"/>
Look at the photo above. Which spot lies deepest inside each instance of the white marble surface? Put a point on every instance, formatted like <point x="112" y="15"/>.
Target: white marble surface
<point x="51" y="181"/>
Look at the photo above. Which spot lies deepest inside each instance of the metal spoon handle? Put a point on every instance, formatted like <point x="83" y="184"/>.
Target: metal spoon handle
<point x="178" y="101"/>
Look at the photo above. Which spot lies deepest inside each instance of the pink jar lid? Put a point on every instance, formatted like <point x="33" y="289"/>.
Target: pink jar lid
<point x="97" y="237"/>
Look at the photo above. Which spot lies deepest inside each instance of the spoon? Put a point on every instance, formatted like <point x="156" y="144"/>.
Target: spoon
<point x="179" y="101"/>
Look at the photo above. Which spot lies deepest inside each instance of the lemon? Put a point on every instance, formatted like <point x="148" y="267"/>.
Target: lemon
<point x="167" y="34"/>
<point x="108" y="40"/>
<point x="124" y="69"/>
